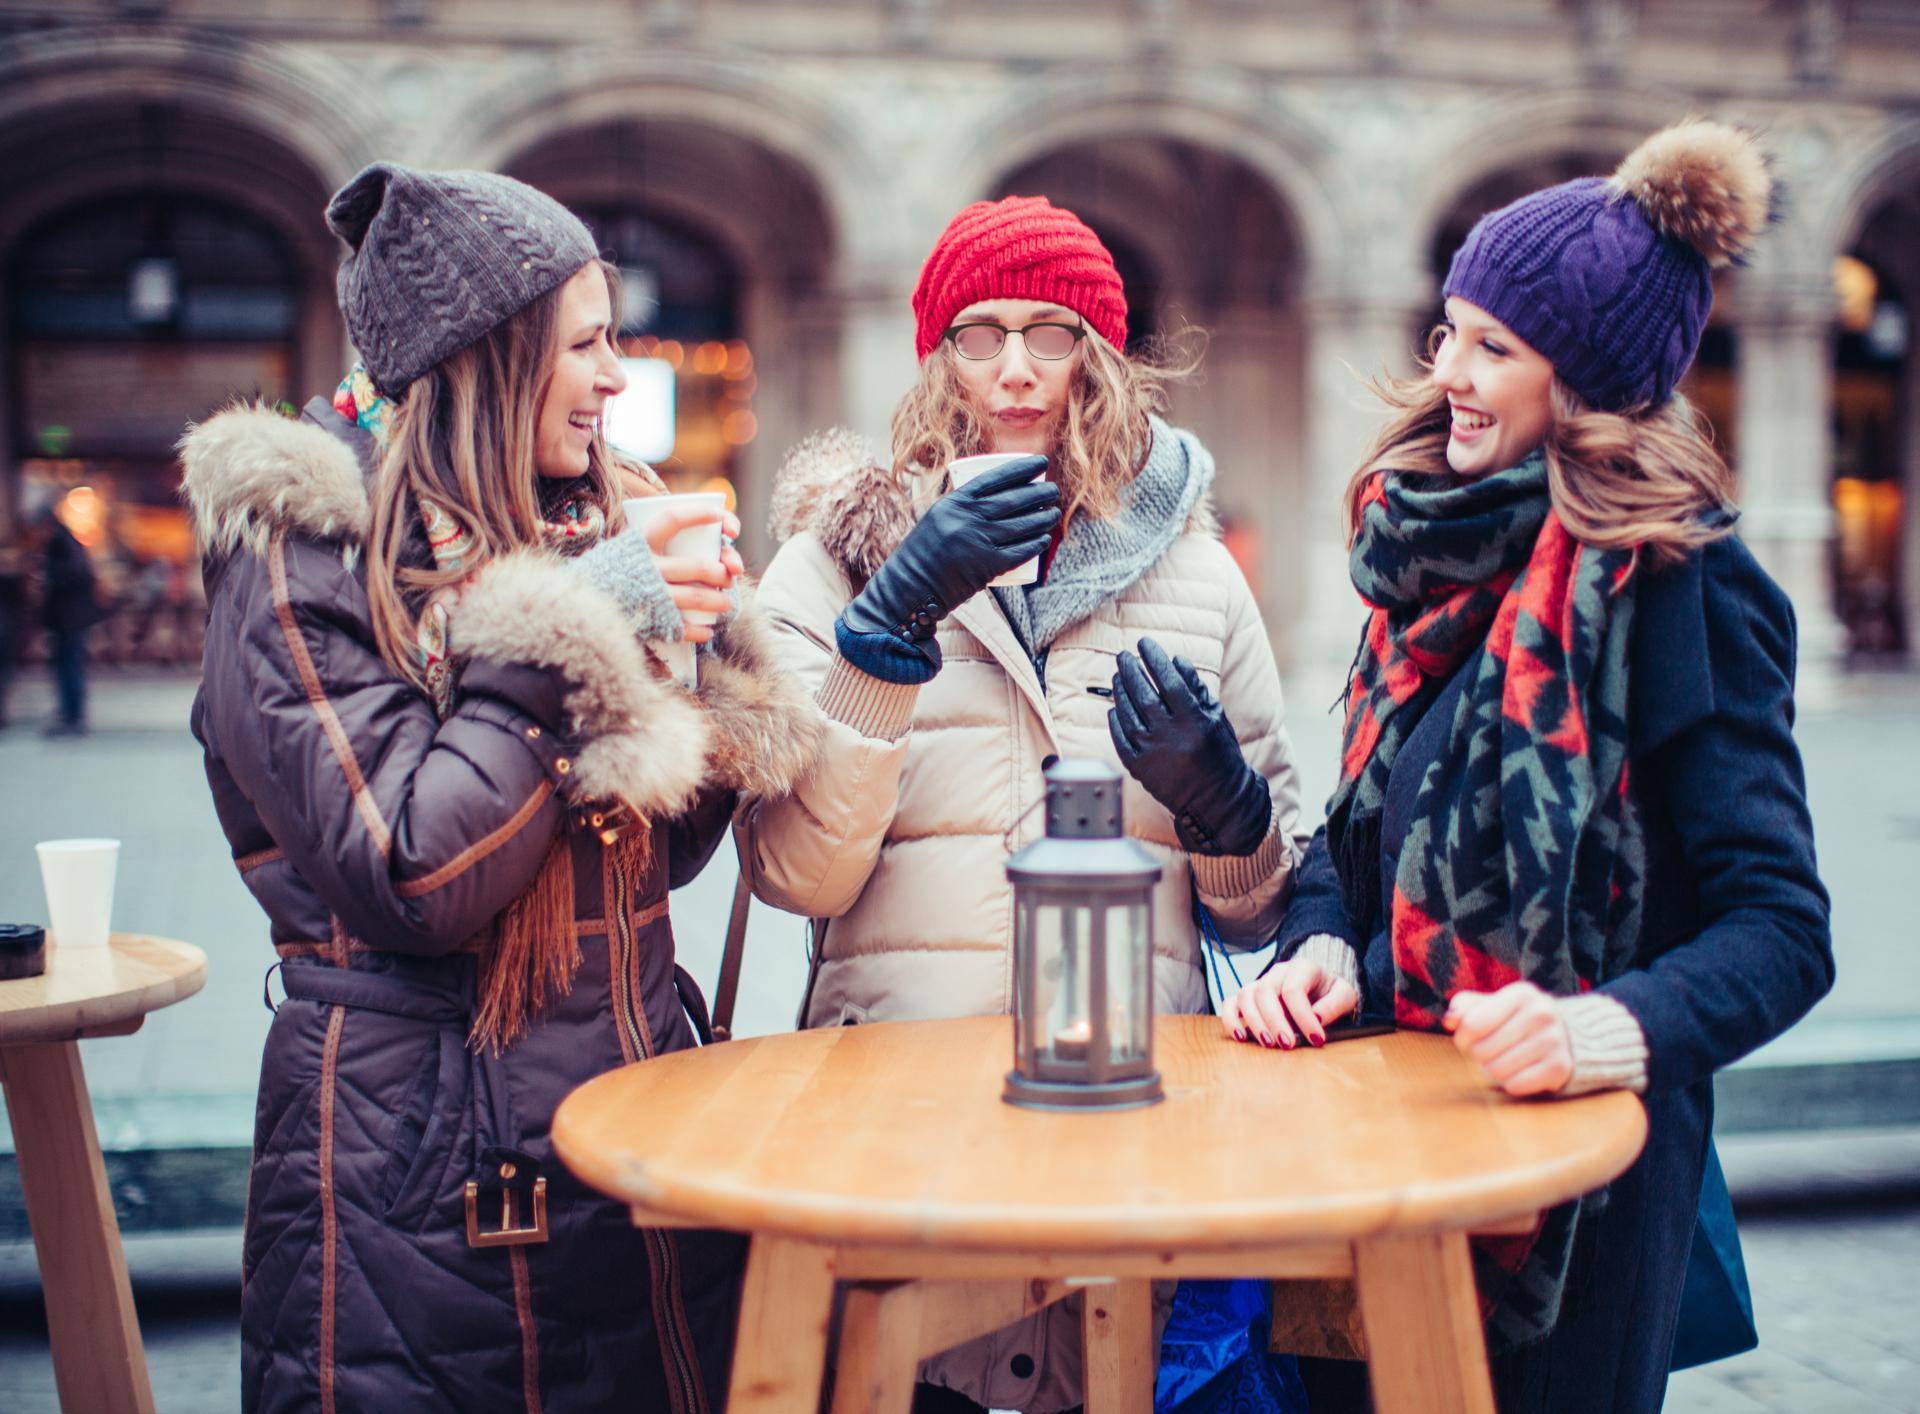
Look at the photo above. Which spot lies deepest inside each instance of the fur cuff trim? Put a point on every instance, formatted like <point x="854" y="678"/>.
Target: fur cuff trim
<point x="765" y="732"/>
<point x="642" y="741"/>
<point x="249" y="471"/>
<point x="835" y="485"/>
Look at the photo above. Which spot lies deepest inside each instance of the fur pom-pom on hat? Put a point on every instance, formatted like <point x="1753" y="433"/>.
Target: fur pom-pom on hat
<point x="1611" y="278"/>
<point x="1703" y="183"/>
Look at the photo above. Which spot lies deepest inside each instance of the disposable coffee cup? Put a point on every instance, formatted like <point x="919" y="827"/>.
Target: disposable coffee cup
<point x="964" y="469"/>
<point x="78" y="877"/>
<point x="696" y="542"/>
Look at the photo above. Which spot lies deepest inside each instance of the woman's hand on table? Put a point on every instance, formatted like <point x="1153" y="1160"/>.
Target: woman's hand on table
<point x="1515" y="1035"/>
<point x="697" y="585"/>
<point x="1296" y="999"/>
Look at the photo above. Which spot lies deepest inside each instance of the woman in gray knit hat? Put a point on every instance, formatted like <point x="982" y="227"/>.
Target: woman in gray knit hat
<point x="1571" y="825"/>
<point x="459" y="781"/>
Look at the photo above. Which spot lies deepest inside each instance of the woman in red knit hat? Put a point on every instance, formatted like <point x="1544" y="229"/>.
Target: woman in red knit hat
<point x="946" y="695"/>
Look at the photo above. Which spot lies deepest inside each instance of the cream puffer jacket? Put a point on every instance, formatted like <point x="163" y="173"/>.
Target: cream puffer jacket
<point x="900" y="835"/>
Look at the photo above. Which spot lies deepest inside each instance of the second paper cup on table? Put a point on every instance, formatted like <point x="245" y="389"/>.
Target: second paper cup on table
<point x="78" y="876"/>
<point x="696" y="542"/>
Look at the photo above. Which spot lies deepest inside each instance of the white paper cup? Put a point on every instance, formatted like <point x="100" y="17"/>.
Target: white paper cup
<point x="78" y="878"/>
<point x="696" y="542"/>
<point x="962" y="470"/>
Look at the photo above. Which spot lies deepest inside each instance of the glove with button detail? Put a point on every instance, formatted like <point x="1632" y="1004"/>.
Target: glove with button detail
<point x="1176" y="741"/>
<point x="1000" y="519"/>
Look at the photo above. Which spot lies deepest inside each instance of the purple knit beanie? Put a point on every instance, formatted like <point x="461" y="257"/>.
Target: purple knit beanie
<point x="1609" y="278"/>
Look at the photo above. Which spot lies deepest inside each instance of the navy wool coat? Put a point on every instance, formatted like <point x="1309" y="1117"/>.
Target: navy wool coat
<point x="1735" y="945"/>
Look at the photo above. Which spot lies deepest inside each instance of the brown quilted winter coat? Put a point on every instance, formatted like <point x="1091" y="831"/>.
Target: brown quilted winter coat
<point x="384" y="843"/>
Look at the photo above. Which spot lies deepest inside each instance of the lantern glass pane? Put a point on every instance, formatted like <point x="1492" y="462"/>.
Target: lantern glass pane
<point x="1060" y="931"/>
<point x="1026" y="1007"/>
<point x="1129" y="981"/>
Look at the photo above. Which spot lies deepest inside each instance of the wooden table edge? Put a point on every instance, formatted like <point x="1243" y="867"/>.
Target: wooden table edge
<point x="837" y="1220"/>
<point x="100" y="1014"/>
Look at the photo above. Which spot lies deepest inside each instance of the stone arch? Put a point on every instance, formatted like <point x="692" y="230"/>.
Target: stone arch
<point x="325" y="125"/>
<point x="1876" y="405"/>
<point x="764" y="183"/>
<point x="1281" y="151"/>
<point x="721" y="102"/>
<point x="1882" y="171"/>
<point x="114" y="119"/>
<point x="1525" y="129"/>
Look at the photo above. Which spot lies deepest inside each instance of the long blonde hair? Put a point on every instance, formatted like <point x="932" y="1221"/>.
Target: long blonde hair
<point x="1103" y="438"/>
<point x="1648" y="477"/>
<point x="463" y="437"/>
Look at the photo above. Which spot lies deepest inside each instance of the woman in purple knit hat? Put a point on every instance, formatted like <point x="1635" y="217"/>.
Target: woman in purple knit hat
<point x="1571" y="825"/>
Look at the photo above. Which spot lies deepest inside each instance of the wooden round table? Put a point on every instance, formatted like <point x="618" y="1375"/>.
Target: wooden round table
<point x="98" y="1361"/>
<point x="883" y="1156"/>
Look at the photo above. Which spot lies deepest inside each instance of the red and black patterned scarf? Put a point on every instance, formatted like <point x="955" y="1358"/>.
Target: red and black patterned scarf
<point x="1524" y="859"/>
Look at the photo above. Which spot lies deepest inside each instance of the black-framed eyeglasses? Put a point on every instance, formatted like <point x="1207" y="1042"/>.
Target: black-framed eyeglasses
<point x="1047" y="340"/>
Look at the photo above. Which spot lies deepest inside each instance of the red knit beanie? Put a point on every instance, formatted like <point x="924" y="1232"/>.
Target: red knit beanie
<point x="1021" y="247"/>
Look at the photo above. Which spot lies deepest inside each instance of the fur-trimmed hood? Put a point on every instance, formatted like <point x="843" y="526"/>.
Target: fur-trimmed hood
<point x="836" y="486"/>
<point x="252" y="472"/>
<point x="249" y="469"/>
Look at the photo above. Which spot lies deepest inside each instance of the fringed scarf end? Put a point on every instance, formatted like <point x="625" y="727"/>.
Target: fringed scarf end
<point x="532" y="956"/>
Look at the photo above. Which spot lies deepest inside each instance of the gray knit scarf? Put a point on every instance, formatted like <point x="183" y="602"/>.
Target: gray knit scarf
<point x="1099" y="558"/>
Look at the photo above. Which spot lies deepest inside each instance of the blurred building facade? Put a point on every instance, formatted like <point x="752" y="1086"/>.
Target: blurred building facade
<point x="1288" y="175"/>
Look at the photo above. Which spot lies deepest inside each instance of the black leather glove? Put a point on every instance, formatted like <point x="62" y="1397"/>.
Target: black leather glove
<point x="1000" y="519"/>
<point x="1175" y="740"/>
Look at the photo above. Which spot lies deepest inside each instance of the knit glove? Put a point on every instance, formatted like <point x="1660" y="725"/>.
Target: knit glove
<point x="1176" y="741"/>
<point x="968" y="537"/>
<point x="623" y="565"/>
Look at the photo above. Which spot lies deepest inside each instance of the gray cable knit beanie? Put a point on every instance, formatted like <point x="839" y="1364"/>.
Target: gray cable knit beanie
<point x="439" y="258"/>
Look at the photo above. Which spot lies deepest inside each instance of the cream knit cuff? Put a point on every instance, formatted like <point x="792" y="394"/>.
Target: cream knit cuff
<point x="1609" y="1048"/>
<point x="1237" y="875"/>
<point x="871" y="706"/>
<point x="1335" y="956"/>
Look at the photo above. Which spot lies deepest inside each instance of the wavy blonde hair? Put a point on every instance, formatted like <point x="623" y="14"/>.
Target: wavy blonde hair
<point x="1647" y="477"/>
<point x="463" y="437"/>
<point x="1102" y="441"/>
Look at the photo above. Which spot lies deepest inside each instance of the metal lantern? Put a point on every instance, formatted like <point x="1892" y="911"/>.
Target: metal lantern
<point x="1083" y="953"/>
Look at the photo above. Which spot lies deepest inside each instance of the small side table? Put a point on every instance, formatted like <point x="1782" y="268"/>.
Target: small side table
<point x="98" y="1361"/>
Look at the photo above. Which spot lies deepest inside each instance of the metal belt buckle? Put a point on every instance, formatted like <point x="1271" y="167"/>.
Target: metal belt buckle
<point x="519" y="1183"/>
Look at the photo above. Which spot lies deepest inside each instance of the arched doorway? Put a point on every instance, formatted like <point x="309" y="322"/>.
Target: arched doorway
<point x="155" y="263"/>
<point x="1876" y="427"/>
<point x="722" y="243"/>
<point x="1204" y="242"/>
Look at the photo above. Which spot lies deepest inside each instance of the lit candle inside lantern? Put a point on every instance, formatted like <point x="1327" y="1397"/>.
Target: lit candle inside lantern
<point x="1072" y="1043"/>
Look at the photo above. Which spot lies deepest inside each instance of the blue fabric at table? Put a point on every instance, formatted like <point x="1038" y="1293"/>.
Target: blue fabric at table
<point x="1214" y="1357"/>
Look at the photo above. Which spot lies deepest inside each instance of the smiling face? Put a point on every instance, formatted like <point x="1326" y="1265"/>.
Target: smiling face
<point x="1499" y="390"/>
<point x="1019" y="397"/>
<point x="586" y="372"/>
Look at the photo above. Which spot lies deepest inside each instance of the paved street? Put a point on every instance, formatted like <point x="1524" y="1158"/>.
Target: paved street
<point x="1834" y="1284"/>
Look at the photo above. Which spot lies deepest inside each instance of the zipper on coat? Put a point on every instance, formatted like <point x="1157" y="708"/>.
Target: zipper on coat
<point x="663" y="1255"/>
